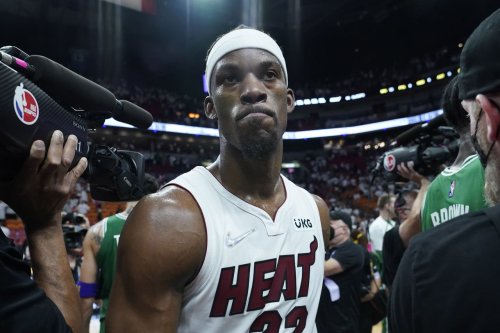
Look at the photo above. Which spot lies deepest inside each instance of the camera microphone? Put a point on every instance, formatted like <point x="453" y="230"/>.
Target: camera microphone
<point x="415" y="131"/>
<point x="69" y="87"/>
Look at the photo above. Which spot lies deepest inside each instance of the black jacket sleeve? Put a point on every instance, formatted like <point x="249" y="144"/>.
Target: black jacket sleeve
<point x="392" y="252"/>
<point x="23" y="306"/>
<point x="402" y="304"/>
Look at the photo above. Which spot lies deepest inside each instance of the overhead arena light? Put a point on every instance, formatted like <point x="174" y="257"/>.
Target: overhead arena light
<point x="449" y="73"/>
<point x="314" y="101"/>
<point x="429" y="79"/>
<point x="301" y="135"/>
<point x="348" y="98"/>
<point x="307" y="101"/>
<point x="357" y="96"/>
<point x="290" y="165"/>
<point x="391" y="89"/>
<point x="335" y="99"/>
<point x="321" y="100"/>
<point x="410" y="85"/>
<point x="440" y="76"/>
<point x="299" y="102"/>
<point x="420" y="82"/>
<point x="402" y="87"/>
<point x="384" y="91"/>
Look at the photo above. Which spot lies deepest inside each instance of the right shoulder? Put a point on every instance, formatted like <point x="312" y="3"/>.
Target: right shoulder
<point x="172" y="206"/>
<point x="169" y="227"/>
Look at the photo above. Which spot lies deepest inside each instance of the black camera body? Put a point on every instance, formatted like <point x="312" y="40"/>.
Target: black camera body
<point x="27" y="113"/>
<point x="427" y="153"/>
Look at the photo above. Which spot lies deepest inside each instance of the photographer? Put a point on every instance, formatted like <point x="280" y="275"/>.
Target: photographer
<point x="340" y="302"/>
<point x="396" y="240"/>
<point x="49" y="303"/>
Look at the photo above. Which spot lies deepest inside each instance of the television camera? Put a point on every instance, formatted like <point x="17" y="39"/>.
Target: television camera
<point x="427" y="145"/>
<point x="38" y="96"/>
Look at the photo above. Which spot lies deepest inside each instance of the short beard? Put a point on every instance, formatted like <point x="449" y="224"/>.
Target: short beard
<point x="492" y="179"/>
<point x="257" y="146"/>
<point x="492" y="170"/>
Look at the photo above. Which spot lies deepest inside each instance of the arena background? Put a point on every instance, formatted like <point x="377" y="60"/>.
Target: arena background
<point x="351" y="63"/>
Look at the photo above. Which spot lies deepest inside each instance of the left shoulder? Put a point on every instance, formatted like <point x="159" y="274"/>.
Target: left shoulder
<point x="324" y="215"/>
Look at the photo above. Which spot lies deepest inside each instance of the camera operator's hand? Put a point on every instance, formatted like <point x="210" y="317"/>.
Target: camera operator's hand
<point x="43" y="185"/>
<point x="407" y="171"/>
<point x="37" y="194"/>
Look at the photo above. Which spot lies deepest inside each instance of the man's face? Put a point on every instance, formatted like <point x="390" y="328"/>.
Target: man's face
<point x="390" y="207"/>
<point x="251" y="101"/>
<point x="341" y="232"/>
<point x="404" y="210"/>
<point x="492" y="170"/>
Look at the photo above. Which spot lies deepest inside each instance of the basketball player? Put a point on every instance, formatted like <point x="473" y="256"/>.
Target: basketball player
<point x="458" y="189"/>
<point x="234" y="247"/>
<point x="100" y="247"/>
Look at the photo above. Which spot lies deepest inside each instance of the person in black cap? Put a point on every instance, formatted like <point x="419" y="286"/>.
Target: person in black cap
<point x="448" y="277"/>
<point x="339" y="306"/>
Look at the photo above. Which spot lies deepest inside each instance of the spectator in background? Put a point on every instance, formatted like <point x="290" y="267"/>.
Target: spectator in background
<point x="383" y="223"/>
<point x="5" y="230"/>
<point x="339" y="306"/>
<point x="371" y="284"/>
<point x="49" y="302"/>
<point x="82" y="207"/>
<point x="100" y="248"/>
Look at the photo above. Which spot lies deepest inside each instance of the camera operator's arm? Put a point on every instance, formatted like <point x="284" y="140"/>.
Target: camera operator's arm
<point x="37" y="194"/>
<point x="411" y="226"/>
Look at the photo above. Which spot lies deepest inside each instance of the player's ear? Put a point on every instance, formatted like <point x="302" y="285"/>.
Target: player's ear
<point x="492" y="117"/>
<point x="290" y="100"/>
<point x="209" y="107"/>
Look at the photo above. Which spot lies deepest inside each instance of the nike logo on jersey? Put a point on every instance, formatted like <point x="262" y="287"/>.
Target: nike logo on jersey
<point x="230" y="242"/>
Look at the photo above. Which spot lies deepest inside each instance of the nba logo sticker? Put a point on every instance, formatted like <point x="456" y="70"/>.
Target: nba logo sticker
<point x="25" y="105"/>
<point x="452" y="189"/>
<point x="389" y="162"/>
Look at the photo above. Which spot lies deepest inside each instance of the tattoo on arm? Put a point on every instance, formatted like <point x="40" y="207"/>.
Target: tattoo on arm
<point x="97" y="239"/>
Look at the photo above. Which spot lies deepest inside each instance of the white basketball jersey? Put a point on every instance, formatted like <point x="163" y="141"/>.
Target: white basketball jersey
<point x="258" y="274"/>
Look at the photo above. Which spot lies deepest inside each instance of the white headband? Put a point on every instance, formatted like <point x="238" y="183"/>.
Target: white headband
<point x="243" y="39"/>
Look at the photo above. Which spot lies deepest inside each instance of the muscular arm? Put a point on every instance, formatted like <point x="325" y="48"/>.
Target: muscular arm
<point x="89" y="269"/>
<point x="324" y="215"/>
<point x="162" y="246"/>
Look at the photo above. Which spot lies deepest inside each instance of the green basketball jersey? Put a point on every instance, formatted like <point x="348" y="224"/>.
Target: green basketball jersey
<point x="106" y="259"/>
<point x="453" y="193"/>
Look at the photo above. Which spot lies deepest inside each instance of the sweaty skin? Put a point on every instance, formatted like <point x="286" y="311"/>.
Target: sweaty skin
<point x="162" y="246"/>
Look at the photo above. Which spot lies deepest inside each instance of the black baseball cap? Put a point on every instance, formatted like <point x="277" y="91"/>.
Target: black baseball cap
<point x="480" y="60"/>
<point x="339" y="215"/>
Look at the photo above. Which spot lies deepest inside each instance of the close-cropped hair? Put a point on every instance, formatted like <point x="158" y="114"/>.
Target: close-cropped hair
<point x="453" y="111"/>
